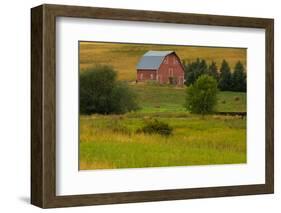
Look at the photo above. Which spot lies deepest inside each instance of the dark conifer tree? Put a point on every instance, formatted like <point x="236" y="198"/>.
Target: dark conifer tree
<point x="213" y="70"/>
<point x="225" y="81"/>
<point x="239" y="78"/>
<point x="194" y="70"/>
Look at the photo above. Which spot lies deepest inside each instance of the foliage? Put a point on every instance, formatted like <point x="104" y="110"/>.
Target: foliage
<point x="101" y="93"/>
<point x="123" y="99"/>
<point x="201" y="96"/>
<point x="225" y="81"/>
<point x="235" y="81"/>
<point x="239" y="78"/>
<point x="194" y="70"/>
<point x="156" y="127"/>
<point x="213" y="70"/>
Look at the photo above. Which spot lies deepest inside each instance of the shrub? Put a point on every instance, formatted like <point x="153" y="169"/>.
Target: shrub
<point x="201" y="97"/>
<point x="236" y="98"/>
<point x="156" y="127"/>
<point x="101" y="93"/>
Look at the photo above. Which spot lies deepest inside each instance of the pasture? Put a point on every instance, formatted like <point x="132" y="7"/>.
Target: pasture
<point x="154" y="98"/>
<point x="112" y="141"/>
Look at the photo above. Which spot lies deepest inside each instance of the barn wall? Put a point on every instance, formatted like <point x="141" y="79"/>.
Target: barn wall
<point x="143" y="75"/>
<point x="171" y="67"/>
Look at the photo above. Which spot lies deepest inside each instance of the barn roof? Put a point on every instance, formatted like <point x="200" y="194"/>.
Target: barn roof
<point x="152" y="59"/>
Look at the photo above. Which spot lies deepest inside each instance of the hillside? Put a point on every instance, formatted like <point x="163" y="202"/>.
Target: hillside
<point x="124" y="57"/>
<point x="171" y="99"/>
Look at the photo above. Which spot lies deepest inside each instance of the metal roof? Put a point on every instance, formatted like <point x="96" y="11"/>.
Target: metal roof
<point x="152" y="59"/>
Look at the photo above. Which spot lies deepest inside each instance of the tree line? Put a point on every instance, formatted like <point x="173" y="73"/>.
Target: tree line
<point x="226" y="80"/>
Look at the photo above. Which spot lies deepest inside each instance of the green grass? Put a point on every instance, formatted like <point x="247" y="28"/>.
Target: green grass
<point x="124" y="57"/>
<point x="195" y="141"/>
<point x="153" y="98"/>
<point x="160" y="98"/>
<point x="112" y="141"/>
<point x="232" y="102"/>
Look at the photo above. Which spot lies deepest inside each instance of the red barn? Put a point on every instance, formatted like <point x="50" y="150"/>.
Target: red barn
<point x="164" y="67"/>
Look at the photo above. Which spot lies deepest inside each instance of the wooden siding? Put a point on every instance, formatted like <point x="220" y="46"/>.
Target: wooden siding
<point x="143" y="75"/>
<point x="171" y="67"/>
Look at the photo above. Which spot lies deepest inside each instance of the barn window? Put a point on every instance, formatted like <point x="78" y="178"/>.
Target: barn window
<point x="151" y="76"/>
<point x="141" y="75"/>
<point x="166" y="61"/>
<point x="175" y="60"/>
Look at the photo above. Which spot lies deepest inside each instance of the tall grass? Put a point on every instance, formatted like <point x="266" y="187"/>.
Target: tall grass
<point x="196" y="141"/>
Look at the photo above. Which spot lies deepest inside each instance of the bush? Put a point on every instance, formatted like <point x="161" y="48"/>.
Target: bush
<point x="101" y="93"/>
<point x="201" y="97"/>
<point x="236" y="98"/>
<point x="157" y="127"/>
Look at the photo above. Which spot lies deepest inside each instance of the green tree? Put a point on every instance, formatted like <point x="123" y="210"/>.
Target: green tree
<point x="188" y="72"/>
<point x="213" y="70"/>
<point x="239" y="78"/>
<point x="201" y="97"/>
<point x="101" y="93"/>
<point x="123" y="99"/>
<point x="225" y="81"/>
<point x="194" y="70"/>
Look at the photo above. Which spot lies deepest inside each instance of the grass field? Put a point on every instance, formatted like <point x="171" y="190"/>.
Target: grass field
<point x="195" y="141"/>
<point x="154" y="98"/>
<point x="112" y="141"/>
<point x="92" y="53"/>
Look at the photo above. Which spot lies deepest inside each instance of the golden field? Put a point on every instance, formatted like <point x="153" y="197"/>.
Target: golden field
<point x="92" y="53"/>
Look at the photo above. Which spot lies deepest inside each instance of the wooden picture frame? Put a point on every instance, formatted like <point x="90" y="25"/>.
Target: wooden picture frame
<point x="43" y="105"/>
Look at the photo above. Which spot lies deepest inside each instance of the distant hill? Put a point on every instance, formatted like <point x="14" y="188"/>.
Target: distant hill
<point x="124" y="57"/>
